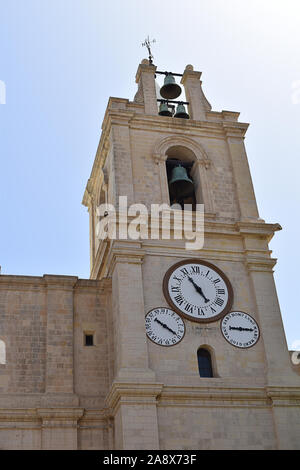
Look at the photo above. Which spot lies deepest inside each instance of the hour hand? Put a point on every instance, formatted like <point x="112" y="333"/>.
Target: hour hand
<point x="198" y="289"/>
<point x="240" y="328"/>
<point x="165" y="326"/>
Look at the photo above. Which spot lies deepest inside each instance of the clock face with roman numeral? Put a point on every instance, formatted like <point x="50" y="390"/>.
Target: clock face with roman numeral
<point x="198" y="290"/>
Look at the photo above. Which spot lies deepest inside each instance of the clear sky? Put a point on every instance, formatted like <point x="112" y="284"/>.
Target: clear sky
<point x="60" y="60"/>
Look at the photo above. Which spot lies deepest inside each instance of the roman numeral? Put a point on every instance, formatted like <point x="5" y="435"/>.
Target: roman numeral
<point x="175" y="289"/>
<point x="188" y="308"/>
<point x="216" y="281"/>
<point x="184" y="272"/>
<point x="200" y="311"/>
<point x="179" y="299"/>
<point x="177" y="279"/>
<point x="196" y="269"/>
<point x="219" y="302"/>
<point x="221" y="291"/>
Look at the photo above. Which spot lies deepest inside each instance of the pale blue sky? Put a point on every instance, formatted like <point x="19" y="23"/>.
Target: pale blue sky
<point x="60" y="61"/>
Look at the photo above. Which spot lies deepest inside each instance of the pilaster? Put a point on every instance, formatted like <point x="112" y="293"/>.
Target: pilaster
<point x="145" y="77"/>
<point x="241" y="172"/>
<point x="59" y="427"/>
<point x="131" y="352"/>
<point x="278" y="364"/>
<point x="198" y="104"/>
<point x="59" y="353"/>
<point x="135" y="414"/>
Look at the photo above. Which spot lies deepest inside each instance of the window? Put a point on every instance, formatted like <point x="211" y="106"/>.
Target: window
<point x="88" y="339"/>
<point x="2" y="352"/>
<point x="204" y="363"/>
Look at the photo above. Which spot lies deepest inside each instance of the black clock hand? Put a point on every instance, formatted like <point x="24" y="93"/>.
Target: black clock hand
<point x="240" y="328"/>
<point x="198" y="289"/>
<point x="165" y="326"/>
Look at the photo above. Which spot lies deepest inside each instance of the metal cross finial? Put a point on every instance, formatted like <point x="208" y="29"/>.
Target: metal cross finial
<point x="147" y="43"/>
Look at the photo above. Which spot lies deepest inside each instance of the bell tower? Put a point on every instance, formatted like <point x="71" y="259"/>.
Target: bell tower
<point x="196" y="346"/>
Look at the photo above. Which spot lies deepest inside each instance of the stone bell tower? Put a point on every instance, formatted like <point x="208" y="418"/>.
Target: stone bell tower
<point x="158" y="395"/>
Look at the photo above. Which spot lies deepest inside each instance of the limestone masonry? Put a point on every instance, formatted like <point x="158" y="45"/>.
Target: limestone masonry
<point x="77" y="369"/>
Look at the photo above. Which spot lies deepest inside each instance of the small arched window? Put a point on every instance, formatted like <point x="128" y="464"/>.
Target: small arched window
<point x="2" y="352"/>
<point x="204" y="363"/>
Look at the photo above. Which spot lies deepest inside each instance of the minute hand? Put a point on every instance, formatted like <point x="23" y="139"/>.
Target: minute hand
<point x="198" y="289"/>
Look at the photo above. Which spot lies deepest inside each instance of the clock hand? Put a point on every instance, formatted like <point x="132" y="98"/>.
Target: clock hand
<point x="240" y="328"/>
<point x="198" y="289"/>
<point x="165" y="326"/>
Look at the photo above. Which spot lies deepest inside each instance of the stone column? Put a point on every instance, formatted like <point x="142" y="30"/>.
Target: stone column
<point x="59" y="353"/>
<point x="278" y="364"/>
<point x="241" y="172"/>
<point x="59" y="428"/>
<point x="131" y="352"/>
<point x="122" y="162"/>
<point x="160" y="160"/>
<point x="193" y="91"/>
<point x="201" y="180"/>
<point x="135" y="413"/>
<point x="145" y="77"/>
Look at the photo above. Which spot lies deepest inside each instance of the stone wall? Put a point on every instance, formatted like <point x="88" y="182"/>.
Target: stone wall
<point x="50" y="377"/>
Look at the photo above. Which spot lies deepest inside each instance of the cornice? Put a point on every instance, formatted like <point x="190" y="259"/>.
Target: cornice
<point x="284" y="396"/>
<point x="128" y="253"/>
<point x="263" y="264"/>
<point x="60" y="414"/>
<point x="235" y="129"/>
<point x="132" y="393"/>
<point x="54" y="282"/>
<point x="212" y="394"/>
<point x="38" y="414"/>
<point x="60" y="282"/>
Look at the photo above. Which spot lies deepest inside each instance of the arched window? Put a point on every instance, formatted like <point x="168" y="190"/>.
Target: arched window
<point x="2" y="352"/>
<point x="204" y="363"/>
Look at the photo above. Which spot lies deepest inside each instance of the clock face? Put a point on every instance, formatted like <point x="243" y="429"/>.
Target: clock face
<point x="198" y="290"/>
<point x="164" y="327"/>
<point x="240" y="329"/>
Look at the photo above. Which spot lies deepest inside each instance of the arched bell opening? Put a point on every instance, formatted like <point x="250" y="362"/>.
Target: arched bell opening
<point x="184" y="188"/>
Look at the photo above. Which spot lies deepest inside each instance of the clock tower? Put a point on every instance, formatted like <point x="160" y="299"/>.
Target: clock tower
<point x="196" y="346"/>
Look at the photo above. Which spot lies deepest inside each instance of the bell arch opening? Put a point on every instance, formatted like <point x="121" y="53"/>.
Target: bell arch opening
<point x="183" y="182"/>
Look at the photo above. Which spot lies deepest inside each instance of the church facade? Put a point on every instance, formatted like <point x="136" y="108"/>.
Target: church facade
<point x="163" y="347"/>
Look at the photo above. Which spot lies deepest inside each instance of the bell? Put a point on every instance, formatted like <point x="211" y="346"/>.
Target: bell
<point x="181" y="112"/>
<point x="164" y="110"/>
<point x="170" y="90"/>
<point x="180" y="185"/>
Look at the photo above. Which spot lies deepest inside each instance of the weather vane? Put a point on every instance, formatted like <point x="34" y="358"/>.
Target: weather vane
<point x="147" y="44"/>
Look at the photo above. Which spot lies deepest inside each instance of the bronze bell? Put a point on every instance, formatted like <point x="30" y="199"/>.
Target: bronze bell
<point x="170" y="90"/>
<point x="164" y="110"/>
<point x="181" y="112"/>
<point x="180" y="185"/>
